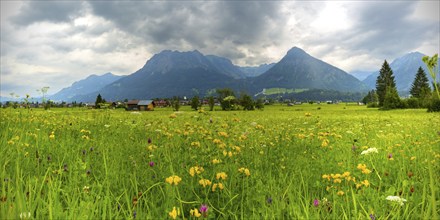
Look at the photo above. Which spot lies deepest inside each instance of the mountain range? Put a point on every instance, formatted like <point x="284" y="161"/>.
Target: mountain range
<point x="173" y="73"/>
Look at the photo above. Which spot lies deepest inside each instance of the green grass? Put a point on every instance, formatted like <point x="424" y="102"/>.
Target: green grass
<point x="272" y="91"/>
<point x="88" y="164"/>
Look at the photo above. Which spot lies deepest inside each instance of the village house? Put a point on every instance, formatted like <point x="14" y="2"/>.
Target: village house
<point x="140" y="105"/>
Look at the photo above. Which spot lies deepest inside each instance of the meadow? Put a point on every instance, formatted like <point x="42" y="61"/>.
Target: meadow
<point x="298" y="162"/>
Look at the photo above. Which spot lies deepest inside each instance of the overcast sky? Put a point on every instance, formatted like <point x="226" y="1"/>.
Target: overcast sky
<point x="54" y="43"/>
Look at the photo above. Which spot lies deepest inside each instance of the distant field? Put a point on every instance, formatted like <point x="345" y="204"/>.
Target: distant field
<point x="272" y="91"/>
<point x="298" y="162"/>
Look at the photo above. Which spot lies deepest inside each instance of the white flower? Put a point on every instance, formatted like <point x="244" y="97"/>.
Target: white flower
<point x="25" y="215"/>
<point x="396" y="199"/>
<point x="370" y="150"/>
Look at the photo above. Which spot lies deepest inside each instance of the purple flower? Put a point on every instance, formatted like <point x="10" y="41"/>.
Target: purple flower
<point x="316" y="202"/>
<point x="372" y="217"/>
<point x="134" y="214"/>
<point x="390" y="156"/>
<point x="204" y="210"/>
<point x="151" y="164"/>
<point x="269" y="200"/>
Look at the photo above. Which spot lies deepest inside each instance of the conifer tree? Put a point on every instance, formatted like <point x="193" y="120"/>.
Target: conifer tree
<point x="385" y="82"/>
<point x="420" y="87"/>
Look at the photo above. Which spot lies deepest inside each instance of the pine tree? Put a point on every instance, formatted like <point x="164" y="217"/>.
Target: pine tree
<point x="98" y="101"/>
<point x="420" y="87"/>
<point x="384" y="82"/>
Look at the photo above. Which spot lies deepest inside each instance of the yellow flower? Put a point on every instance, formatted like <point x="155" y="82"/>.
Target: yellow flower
<point x="217" y="185"/>
<point x="205" y="182"/>
<point x="325" y="176"/>
<point x="173" y="180"/>
<point x="195" y="170"/>
<point x="365" y="183"/>
<point x="413" y="158"/>
<point x="52" y="135"/>
<point x="173" y="115"/>
<point x="217" y="141"/>
<point x="223" y="134"/>
<point x="195" y="144"/>
<point x="325" y="143"/>
<point x="245" y="171"/>
<point x="216" y="161"/>
<point x="337" y="180"/>
<point x="366" y="171"/>
<point x="221" y="175"/>
<point x="346" y="174"/>
<point x="195" y="212"/>
<point x="174" y="213"/>
<point x="340" y="193"/>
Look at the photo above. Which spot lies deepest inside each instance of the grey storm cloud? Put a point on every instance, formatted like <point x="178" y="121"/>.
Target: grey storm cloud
<point x="200" y="24"/>
<point x="90" y="35"/>
<point x="50" y="11"/>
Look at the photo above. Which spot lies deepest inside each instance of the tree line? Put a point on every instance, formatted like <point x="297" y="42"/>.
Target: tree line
<point x="385" y="95"/>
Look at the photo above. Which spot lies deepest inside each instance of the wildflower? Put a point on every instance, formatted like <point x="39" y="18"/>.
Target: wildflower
<point x="396" y="199"/>
<point x="390" y="156"/>
<point x="25" y="215"/>
<point x="413" y="158"/>
<point x="205" y="182"/>
<point x="337" y="180"/>
<point x="325" y="176"/>
<point x="353" y="148"/>
<point x="195" y="213"/>
<point x="204" y="210"/>
<point x="174" y="213"/>
<point x="151" y="164"/>
<point x="316" y="202"/>
<point x="307" y="114"/>
<point x="340" y="193"/>
<point x="134" y="214"/>
<point x="52" y="135"/>
<point x="221" y="175"/>
<point x="173" y="116"/>
<point x="86" y="189"/>
<point x="369" y="151"/>
<point x="173" y="180"/>
<point x="325" y="143"/>
<point x="245" y="171"/>
<point x="346" y="174"/>
<point x="372" y="217"/>
<point x="217" y="185"/>
<point x="223" y="134"/>
<point x="269" y="200"/>
<point x="195" y="144"/>
<point x="366" y="183"/>
<point x="195" y="170"/>
<point x="215" y="161"/>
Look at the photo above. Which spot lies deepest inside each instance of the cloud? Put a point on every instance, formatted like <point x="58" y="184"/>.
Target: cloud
<point x="50" y="11"/>
<point x="58" y="42"/>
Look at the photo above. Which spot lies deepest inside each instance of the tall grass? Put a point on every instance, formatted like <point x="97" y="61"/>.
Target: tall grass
<point x="88" y="164"/>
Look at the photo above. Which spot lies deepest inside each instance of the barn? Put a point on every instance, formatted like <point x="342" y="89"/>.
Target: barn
<point x="146" y="105"/>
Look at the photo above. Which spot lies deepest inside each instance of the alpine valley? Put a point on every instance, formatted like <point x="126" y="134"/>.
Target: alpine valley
<point x="173" y="73"/>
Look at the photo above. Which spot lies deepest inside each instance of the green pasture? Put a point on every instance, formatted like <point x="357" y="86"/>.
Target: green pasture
<point x="285" y="162"/>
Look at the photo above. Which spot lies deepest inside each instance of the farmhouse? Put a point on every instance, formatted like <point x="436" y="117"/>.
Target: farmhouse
<point x="140" y="105"/>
